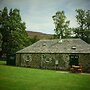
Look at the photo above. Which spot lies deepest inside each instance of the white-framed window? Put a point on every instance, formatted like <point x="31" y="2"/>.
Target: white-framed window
<point x="27" y="58"/>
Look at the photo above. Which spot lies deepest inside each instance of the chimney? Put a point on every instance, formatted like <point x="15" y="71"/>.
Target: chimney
<point x="60" y="39"/>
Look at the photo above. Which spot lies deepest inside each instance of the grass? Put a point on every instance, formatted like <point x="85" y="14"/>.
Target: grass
<point x="2" y="62"/>
<point x="18" y="78"/>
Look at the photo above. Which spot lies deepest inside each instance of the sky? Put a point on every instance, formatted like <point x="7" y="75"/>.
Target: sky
<point x="37" y="14"/>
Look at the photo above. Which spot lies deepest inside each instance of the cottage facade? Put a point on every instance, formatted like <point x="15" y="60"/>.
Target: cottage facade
<point x="55" y="54"/>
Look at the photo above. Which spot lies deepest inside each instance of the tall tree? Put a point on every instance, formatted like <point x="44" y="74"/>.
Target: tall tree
<point x="13" y="31"/>
<point x="83" y="19"/>
<point x="61" y="24"/>
<point x="0" y="41"/>
<point x="4" y="28"/>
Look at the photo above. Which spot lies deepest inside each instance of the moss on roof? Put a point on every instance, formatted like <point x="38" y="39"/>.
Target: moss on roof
<point x="54" y="46"/>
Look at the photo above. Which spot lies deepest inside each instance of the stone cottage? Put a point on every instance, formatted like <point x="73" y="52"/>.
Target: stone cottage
<point x="55" y="54"/>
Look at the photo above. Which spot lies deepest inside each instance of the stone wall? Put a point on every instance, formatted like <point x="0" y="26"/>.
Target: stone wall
<point x="51" y="61"/>
<point x="46" y="61"/>
<point x="18" y="59"/>
<point x="84" y="60"/>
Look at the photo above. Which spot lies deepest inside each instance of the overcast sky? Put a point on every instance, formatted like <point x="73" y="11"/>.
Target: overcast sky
<point x="37" y="14"/>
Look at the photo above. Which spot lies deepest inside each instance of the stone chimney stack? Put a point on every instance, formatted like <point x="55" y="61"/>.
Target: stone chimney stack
<point x="60" y="39"/>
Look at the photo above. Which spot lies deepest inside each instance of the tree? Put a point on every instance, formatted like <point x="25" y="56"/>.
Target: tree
<point x="0" y="41"/>
<point x="83" y="19"/>
<point x="34" y="39"/>
<point x="61" y="25"/>
<point x="3" y="27"/>
<point x="13" y="31"/>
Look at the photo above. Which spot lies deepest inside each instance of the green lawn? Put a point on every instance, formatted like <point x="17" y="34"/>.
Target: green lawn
<point x="18" y="78"/>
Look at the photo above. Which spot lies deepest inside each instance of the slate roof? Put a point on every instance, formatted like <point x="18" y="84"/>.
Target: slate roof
<point x="54" y="46"/>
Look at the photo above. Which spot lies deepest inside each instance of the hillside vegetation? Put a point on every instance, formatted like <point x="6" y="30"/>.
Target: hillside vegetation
<point x="39" y="35"/>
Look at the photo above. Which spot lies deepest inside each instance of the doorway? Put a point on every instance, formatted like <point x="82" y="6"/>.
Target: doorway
<point x="74" y="60"/>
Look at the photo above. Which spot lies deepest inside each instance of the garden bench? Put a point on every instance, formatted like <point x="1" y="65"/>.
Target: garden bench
<point x="76" y="69"/>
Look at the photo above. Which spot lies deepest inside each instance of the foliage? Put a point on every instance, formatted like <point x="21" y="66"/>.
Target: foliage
<point x="13" y="31"/>
<point x="0" y="41"/>
<point x="61" y="25"/>
<point x="17" y="78"/>
<point x="83" y="19"/>
<point x="34" y="39"/>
